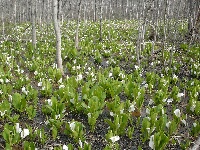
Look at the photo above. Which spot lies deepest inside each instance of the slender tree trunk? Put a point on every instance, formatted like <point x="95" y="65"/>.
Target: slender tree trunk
<point x="109" y="19"/>
<point x="196" y="29"/>
<point x="138" y="45"/>
<point x="27" y="11"/>
<point x="95" y="10"/>
<point x="84" y="14"/>
<point x="193" y="21"/>
<point x="3" y="26"/>
<point x="2" y="20"/>
<point x="22" y="15"/>
<point x="33" y="24"/>
<point x="190" y="16"/>
<point x="15" y="12"/>
<point x="77" y="28"/>
<point x="39" y="15"/>
<point x="100" y="31"/>
<point x="110" y="10"/>
<point x="139" y="40"/>
<point x="58" y="34"/>
<point x="43" y="10"/>
<point x="164" y="29"/>
<point x="127" y="8"/>
<point x="171" y="56"/>
<point x="48" y="17"/>
<point x="156" y="21"/>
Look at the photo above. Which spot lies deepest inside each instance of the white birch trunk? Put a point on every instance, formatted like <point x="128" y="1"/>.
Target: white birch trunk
<point x="101" y="11"/>
<point x="95" y="10"/>
<point x="84" y="14"/>
<point x="33" y="24"/>
<point x="3" y="26"/>
<point x="15" y="12"/>
<point x="48" y="17"/>
<point x="2" y="20"/>
<point x="77" y="28"/>
<point x="58" y="35"/>
<point x="27" y="11"/>
<point x="164" y="29"/>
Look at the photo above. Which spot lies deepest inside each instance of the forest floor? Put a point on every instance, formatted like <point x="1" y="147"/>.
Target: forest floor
<point x="109" y="67"/>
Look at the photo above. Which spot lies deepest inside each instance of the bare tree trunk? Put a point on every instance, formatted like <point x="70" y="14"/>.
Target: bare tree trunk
<point x="164" y="29"/>
<point x="15" y="12"/>
<point x="100" y="31"/>
<point x="144" y="22"/>
<point x="43" y="9"/>
<point x="39" y="14"/>
<point x="48" y="17"/>
<point x="58" y="34"/>
<point x="3" y="26"/>
<point x="197" y="23"/>
<point x="110" y="10"/>
<point x="84" y="14"/>
<point x="27" y="11"/>
<point x="109" y="19"/>
<point x="127" y="8"/>
<point x="156" y="22"/>
<point x="77" y="28"/>
<point x="193" y="20"/>
<point x="95" y="10"/>
<point x="171" y="56"/>
<point x="139" y="40"/>
<point x="33" y="24"/>
<point x="2" y="20"/>
<point x="190" y="17"/>
<point x="138" y="45"/>
<point x="138" y="48"/>
<point x="20" y="14"/>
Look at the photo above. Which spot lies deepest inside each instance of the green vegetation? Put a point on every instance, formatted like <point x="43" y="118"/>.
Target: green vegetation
<point x="154" y="105"/>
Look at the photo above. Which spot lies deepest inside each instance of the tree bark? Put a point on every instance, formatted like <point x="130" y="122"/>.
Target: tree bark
<point x="77" y="28"/>
<point x="95" y="10"/>
<point x="164" y="30"/>
<point x="58" y="35"/>
<point x="190" y="16"/>
<point x="33" y="24"/>
<point x="15" y="12"/>
<point x="48" y="16"/>
<point x="100" y="24"/>
<point x="2" y="20"/>
<point x="193" y="20"/>
<point x="27" y="11"/>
